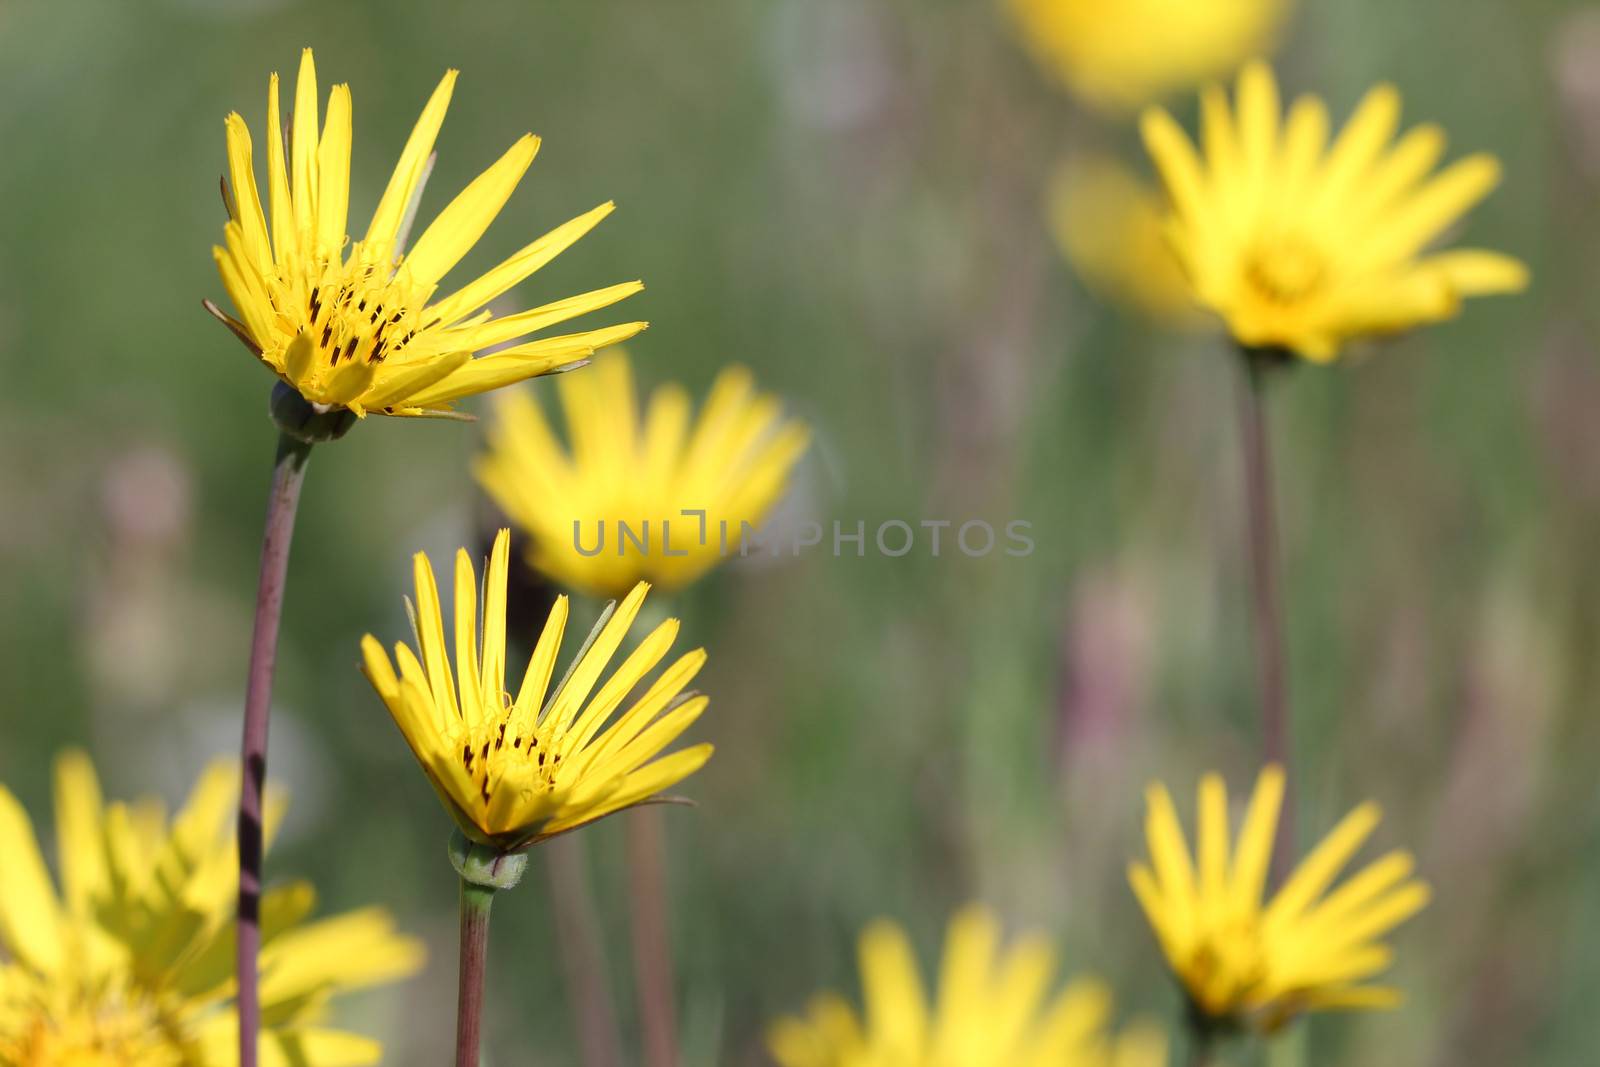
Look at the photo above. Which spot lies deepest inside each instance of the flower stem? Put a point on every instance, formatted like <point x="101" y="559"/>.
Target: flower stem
<point x="1260" y="518"/>
<point x="287" y="474"/>
<point x="652" y="945"/>
<point x="475" y="903"/>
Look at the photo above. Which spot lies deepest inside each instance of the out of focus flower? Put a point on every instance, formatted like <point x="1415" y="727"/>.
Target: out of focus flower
<point x="684" y="489"/>
<point x="364" y="328"/>
<point x="1110" y="226"/>
<point x="1120" y="56"/>
<point x="1246" y="962"/>
<point x="991" y="1009"/>
<point x="131" y="965"/>
<point x="1303" y="246"/>
<point x="513" y="769"/>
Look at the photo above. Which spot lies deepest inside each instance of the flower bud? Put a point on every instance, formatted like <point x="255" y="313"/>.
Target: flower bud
<point x="484" y="865"/>
<point x="307" y="422"/>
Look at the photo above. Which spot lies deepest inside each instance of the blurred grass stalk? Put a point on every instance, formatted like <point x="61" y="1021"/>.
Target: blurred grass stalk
<point x="652" y="940"/>
<point x="1262" y="533"/>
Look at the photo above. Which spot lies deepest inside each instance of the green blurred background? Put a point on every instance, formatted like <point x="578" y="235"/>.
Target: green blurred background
<point x="846" y="195"/>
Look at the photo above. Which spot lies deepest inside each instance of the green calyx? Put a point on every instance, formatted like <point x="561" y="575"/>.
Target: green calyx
<point x="304" y="421"/>
<point x="485" y="866"/>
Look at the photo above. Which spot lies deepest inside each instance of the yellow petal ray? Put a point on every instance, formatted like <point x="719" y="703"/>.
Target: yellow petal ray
<point x="1370" y="129"/>
<point x="466" y="627"/>
<point x="1254" y="854"/>
<point x="284" y="239"/>
<point x="648" y="781"/>
<point x="30" y="923"/>
<point x="1471" y="272"/>
<point x="430" y="634"/>
<point x="523" y="362"/>
<point x="303" y="151"/>
<point x="458" y="227"/>
<point x="575" y="690"/>
<point x="333" y="172"/>
<point x="381" y="233"/>
<point x="1213" y="847"/>
<point x="642" y="660"/>
<point x="494" y="621"/>
<point x="649" y="742"/>
<point x="541" y="666"/>
<point x="247" y="202"/>
<point x="518" y="267"/>
<point x="1437" y="205"/>
<point x="1324" y="863"/>
<point x="79" y="837"/>
<point x="511" y="327"/>
<point x="896" y="1009"/>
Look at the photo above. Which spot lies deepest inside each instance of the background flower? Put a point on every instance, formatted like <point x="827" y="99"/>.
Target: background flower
<point x="991" y="1007"/>
<point x="1303" y="245"/>
<point x="131" y="964"/>
<point x="1309" y="947"/>
<point x="731" y="464"/>
<point x="1120" y="56"/>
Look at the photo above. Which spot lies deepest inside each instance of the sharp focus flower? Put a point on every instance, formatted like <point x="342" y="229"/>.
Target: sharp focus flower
<point x="131" y="965"/>
<point x="1248" y="962"/>
<point x="513" y="769"/>
<point x="991" y="1009"/>
<point x="684" y="490"/>
<point x="365" y="327"/>
<point x="1120" y="56"/>
<point x="1303" y="246"/>
<point x="1110" y="227"/>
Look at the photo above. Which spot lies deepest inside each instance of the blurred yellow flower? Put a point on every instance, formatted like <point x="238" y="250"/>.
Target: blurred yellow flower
<point x="1120" y="56"/>
<point x="513" y="770"/>
<point x="991" y="1010"/>
<point x="364" y="331"/>
<point x="1302" y="246"/>
<point x="681" y="489"/>
<point x="1306" y="949"/>
<point x="132" y="965"/>
<point x="1110" y="227"/>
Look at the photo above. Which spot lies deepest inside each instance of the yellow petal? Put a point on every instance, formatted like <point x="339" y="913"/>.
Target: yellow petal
<point x="381" y="234"/>
<point x="459" y="225"/>
<point x="30" y="918"/>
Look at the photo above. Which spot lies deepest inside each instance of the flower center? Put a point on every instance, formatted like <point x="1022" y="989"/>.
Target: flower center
<point x="86" y="1030"/>
<point x="1284" y="271"/>
<point x="350" y="311"/>
<point x="492" y="749"/>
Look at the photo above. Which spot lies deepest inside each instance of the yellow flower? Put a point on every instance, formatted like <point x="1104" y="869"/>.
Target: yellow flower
<point x="132" y="965"/>
<point x="361" y="328"/>
<point x="1110" y="227"/>
<point x="513" y="770"/>
<point x="990" y="1011"/>
<point x="1303" y="246"/>
<point x="1306" y="949"/>
<point x="1120" y="56"/>
<point x="732" y="465"/>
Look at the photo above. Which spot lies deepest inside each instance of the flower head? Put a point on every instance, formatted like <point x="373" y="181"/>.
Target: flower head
<point x="1120" y="56"/>
<point x="363" y="327"/>
<point x="513" y="769"/>
<point x="1245" y="961"/>
<point x="683" y="490"/>
<point x="1302" y="246"/>
<point x="131" y="965"/>
<point x="991" y="1010"/>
